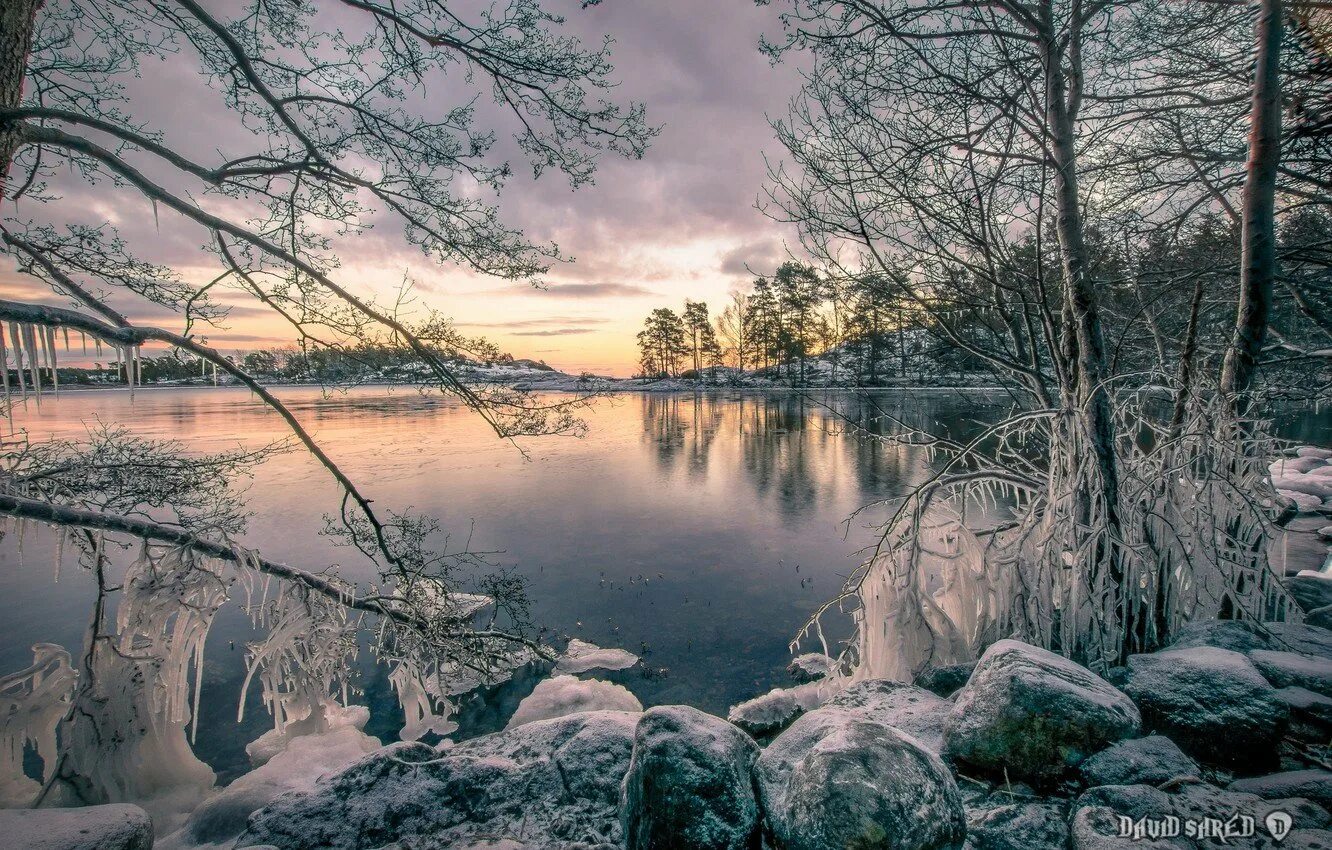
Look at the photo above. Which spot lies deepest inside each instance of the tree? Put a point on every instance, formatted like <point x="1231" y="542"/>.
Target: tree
<point x="697" y="324"/>
<point x="733" y="329"/>
<point x="337" y="129"/>
<point x="662" y="343"/>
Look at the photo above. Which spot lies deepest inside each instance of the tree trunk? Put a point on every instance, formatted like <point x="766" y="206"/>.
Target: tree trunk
<point x="16" y="24"/>
<point x="1258" y="229"/>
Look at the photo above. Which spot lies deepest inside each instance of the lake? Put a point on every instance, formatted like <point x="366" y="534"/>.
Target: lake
<point x="696" y="530"/>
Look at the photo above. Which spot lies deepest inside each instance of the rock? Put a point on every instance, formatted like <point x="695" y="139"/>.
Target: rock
<point x="1320" y="617"/>
<point x="945" y="680"/>
<point x="811" y="667"/>
<point x="546" y="783"/>
<point x="1034" y="715"/>
<point x="1325" y="533"/>
<point x="1141" y="761"/>
<point x="1304" y="502"/>
<point x="118" y="826"/>
<point x="562" y="695"/>
<point x="1310" y="714"/>
<point x="1246" y="636"/>
<point x="1213" y="703"/>
<point x="1315" y="785"/>
<point x="305" y="760"/>
<point x="1292" y="669"/>
<point x="1314" y="452"/>
<point x="689" y="784"/>
<point x="836" y="779"/>
<point x="1311" y="590"/>
<point x="765" y="716"/>
<point x="1098" y="813"/>
<point x="909" y="709"/>
<point x="1017" y="826"/>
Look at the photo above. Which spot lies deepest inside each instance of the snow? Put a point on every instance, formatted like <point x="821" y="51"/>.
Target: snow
<point x="562" y="695"/>
<point x="581" y="656"/>
<point x="273" y="742"/>
<point x="1306" y="478"/>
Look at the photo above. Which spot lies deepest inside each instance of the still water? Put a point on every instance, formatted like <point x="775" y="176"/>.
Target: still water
<point x="696" y="530"/>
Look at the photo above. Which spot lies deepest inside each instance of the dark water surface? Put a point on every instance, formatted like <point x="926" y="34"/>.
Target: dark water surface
<point x="731" y="507"/>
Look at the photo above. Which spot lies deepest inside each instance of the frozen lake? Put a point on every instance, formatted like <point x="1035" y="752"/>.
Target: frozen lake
<point x="697" y="530"/>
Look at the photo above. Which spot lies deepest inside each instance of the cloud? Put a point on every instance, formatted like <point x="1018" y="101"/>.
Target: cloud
<point x="535" y="323"/>
<point x="591" y="290"/>
<point x="757" y="257"/>
<point x="555" y="332"/>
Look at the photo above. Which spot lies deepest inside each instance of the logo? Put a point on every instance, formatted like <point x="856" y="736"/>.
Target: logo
<point x="1278" y="823"/>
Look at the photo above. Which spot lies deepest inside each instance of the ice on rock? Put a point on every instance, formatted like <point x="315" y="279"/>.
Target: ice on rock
<point x="1314" y="452"/>
<point x="581" y="656"/>
<point x="562" y="695"/>
<point x="32" y="703"/>
<point x="273" y="742"/>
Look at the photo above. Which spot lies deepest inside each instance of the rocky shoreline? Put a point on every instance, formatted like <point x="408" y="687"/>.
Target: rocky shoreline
<point x="1217" y="740"/>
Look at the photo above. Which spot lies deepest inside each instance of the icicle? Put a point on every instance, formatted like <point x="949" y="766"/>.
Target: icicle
<point x="214" y="374"/>
<point x="51" y="353"/>
<point x="34" y="364"/>
<point x="4" y="375"/>
<point x="60" y="554"/>
<point x="66" y="333"/>
<point x="18" y="357"/>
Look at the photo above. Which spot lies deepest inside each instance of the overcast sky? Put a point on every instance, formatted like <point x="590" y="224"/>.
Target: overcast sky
<point x="681" y="223"/>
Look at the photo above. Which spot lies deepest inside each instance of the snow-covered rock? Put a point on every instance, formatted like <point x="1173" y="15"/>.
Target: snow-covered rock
<point x="1315" y="785"/>
<point x="1305" y="503"/>
<point x="551" y="783"/>
<point x="581" y="656"/>
<point x="689" y="783"/>
<point x="811" y="667"/>
<point x="1245" y="636"/>
<point x="118" y="826"/>
<point x="1293" y="669"/>
<point x="946" y="679"/>
<point x="1318" y="452"/>
<point x="1212" y="702"/>
<point x="562" y="695"/>
<point x="1017" y="826"/>
<point x="1140" y="761"/>
<point x="335" y="717"/>
<point x="766" y="715"/>
<point x="297" y="768"/>
<point x="907" y="708"/>
<point x="1034" y="715"/>
<point x="834" y="779"/>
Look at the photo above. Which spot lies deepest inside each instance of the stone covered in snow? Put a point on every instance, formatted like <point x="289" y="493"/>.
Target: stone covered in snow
<point x="1294" y="670"/>
<point x="835" y="779"/>
<point x="581" y="656"/>
<point x="946" y="679"/>
<point x="1246" y="636"/>
<point x="909" y="709"/>
<point x="811" y="667"/>
<point x="1213" y="703"/>
<point x="562" y="695"/>
<point x="1034" y="715"/>
<point x="1140" y="761"/>
<point x="766" y="715"/>
<point x="118" y="826"/>
<point x="305" y="760"/>
<point x="689" y="783"/>
<point x="547" y="783"/>
<point x="1017" y="826"/>
<point x="1315" y="785"/>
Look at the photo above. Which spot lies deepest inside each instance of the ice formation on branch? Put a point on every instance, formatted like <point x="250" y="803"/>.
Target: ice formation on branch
<point x="33" y="701"/>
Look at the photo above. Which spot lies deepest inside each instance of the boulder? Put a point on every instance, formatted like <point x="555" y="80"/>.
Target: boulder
<point x="1098" y="815"/>
<point x="547" y="783"/>
<point x="908" y="709"/>
<point x="811" y="667"/>
<point x="1311" y="590"/>
<point x="689" y="784"/>
<point x="1315" y="785"/>
<point x="562" y="695"/>
<point x="118" y="826"/>
<point x="1246" y="636"/>
<point x="1033" y="715"/>
<point x="224" y="815"/>
<point x="1310" y="714"/>
<point x="835" y="779"/>
<point x="764" y="716"/>
<point x="1213" y="703"/>
<point x="1141" y="761"/>
<point x="945" y="680"/>
<point x="1017" y="826"/>
<point x="1294" y="670"/>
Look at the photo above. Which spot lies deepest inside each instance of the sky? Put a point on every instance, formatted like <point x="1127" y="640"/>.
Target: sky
<point x="680" y="223"/>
